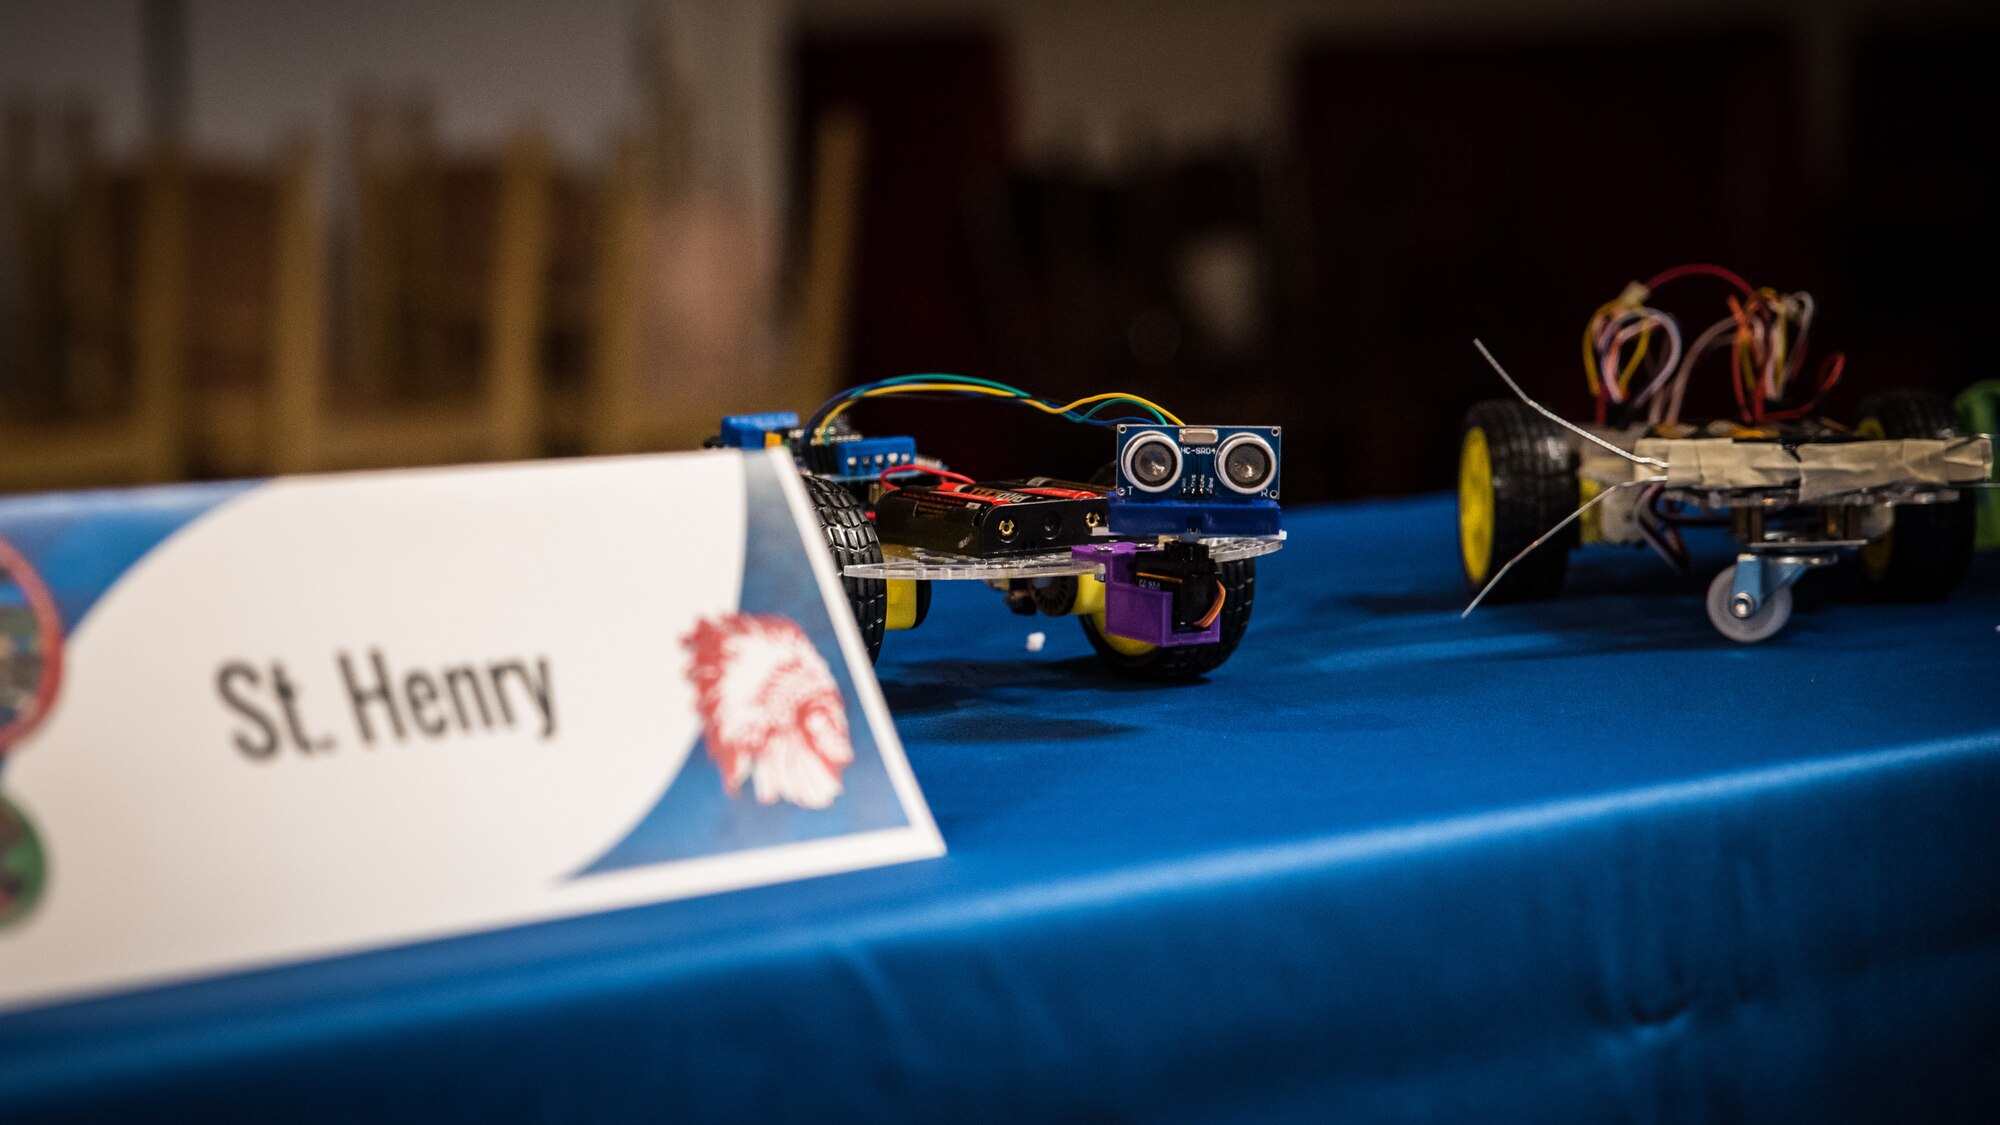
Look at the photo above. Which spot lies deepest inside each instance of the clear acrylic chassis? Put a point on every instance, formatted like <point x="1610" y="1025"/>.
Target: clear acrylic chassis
<point x="932" y="566"/>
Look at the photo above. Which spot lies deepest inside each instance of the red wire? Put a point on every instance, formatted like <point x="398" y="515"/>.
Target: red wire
<point x="1751" y="407"/>
<point x="48" y="628"/>
<point x="1745" y="348"/>
<point x="1708" y="269"/>
<point x="1691" y="269"/>
<point x="1829" y="374"/>
<point x="945" y="473"/>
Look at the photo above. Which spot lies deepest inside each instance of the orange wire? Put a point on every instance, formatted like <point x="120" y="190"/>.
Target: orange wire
<point x="1215" y="611"/>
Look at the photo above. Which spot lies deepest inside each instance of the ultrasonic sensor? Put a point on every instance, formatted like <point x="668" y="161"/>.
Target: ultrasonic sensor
<point x="1247" y="462"/>
<point x="1210" y="480"/>
<point x="1152" y="462"/>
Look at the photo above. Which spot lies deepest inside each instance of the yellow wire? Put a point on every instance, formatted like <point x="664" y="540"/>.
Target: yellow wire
<point x="1590" y="372"/>
<point x="911" y="388"/>
<point x="1779" y="355"/>
<point x="1170" y="416"/>
<point x="1625" y="377"/>
<point x="904" y="388"/>
<point x="1778" y="313"/>
<point x="1590" y="354"/>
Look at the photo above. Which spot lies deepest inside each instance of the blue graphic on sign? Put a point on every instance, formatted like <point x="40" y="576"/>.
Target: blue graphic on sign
<point x="83" y="542"/>
<point x="788" y="754"/>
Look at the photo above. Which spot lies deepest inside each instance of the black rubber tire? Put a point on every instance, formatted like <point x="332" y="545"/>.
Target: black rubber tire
<point x="1931" y="545"/>
<point x="1534" y="488"/>
<point x="851" y="539"/>
<point x="1189" y="662"/>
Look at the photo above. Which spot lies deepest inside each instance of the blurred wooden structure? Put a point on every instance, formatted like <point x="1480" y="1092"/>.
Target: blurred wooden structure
<point x="93" y="281"/>
<point x="825" y="301"/>
<point x="194" y="316"/>
<point x="297" y="417"/>
<point x="623" y="404"/>
<point x="608" y="409"/>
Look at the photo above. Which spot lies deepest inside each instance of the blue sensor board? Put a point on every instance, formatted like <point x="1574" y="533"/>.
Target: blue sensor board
<point x="870" y="456"/>
<point x="1210" y="480"/>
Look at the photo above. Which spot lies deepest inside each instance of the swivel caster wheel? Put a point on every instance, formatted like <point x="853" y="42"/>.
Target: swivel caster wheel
<point x="1742" y="618"/>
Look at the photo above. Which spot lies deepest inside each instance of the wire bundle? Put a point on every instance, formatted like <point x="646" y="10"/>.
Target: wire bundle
<point x="1617" y="325"/>
<point x="1765" y="332"/>
<point x="1769" y="351"/>
<point x="1087" y="410"/>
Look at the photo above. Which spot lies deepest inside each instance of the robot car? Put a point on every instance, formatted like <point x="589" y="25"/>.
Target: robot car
<point x="1799" y="491"/>
<point x="1155" y="556"/>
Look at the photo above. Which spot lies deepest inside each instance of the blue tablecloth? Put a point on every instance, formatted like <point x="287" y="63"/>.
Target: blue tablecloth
<point x="1582" y="860"/>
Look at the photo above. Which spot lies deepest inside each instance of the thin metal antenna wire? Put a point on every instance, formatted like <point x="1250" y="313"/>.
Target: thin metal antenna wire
<point x="1558" y="419"/>
<point x="1549" y="534"/>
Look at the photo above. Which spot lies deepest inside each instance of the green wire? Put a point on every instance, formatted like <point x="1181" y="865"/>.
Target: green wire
<point x="1085" y="415"/>
<point x="938" y="376"/>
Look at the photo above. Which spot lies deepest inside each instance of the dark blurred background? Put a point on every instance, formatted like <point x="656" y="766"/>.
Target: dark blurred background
<point x="244" y="237"/>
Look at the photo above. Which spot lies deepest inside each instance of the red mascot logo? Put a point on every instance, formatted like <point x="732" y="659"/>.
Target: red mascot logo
<point x="770" y="710"/>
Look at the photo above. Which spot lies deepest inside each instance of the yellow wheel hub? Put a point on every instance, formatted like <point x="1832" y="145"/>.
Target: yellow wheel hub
<point x="1475" y="504"/>
<point x="902" y="608"/>
<point x="1590" y="528"/>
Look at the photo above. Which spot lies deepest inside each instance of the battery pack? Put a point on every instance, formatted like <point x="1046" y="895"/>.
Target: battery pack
<point x="990" y="520"/>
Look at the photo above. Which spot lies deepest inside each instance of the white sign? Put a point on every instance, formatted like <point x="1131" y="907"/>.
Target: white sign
<point x="317" y="715"/>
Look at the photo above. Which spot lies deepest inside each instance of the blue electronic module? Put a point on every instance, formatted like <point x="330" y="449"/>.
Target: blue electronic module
<point x="1210" y="480"/>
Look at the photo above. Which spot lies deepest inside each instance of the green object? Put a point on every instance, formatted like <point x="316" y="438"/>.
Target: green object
<point x="1979" y="413"/>
<point x="23" y="868"/>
